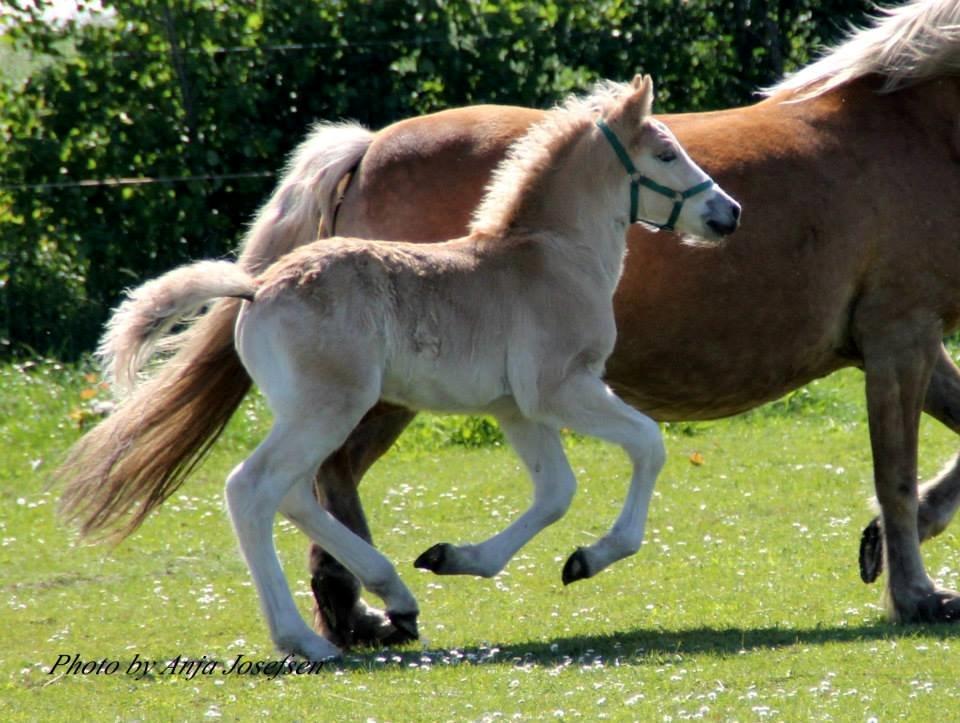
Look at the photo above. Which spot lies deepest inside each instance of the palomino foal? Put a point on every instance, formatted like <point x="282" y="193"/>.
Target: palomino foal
<point x="514" y="320"/>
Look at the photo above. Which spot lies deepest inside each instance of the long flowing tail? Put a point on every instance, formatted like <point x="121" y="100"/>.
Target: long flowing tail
<point x="135" y="459"/>
<point x="307" y="193"/>
<point x="95" y="494"/>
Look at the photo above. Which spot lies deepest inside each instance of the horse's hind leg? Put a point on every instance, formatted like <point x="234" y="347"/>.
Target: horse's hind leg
<point x="940" y="497"/>
<point x="541" y="450"/>
<point x="339" y="613"/>
<point x="587" y="405"/>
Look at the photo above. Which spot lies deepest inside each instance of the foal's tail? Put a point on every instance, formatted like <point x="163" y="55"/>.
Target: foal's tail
<point x="152" y="310"/>
<point x="114" y="469"/>
<point x="137" y="457"/>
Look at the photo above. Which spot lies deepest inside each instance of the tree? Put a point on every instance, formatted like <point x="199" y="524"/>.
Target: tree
<point x="206" y="97"/>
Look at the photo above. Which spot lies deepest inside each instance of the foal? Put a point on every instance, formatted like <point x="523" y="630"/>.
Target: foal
<point x="514" y="320"/>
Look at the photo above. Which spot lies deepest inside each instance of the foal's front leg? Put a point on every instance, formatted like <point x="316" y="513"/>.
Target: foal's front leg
<point x="541" y="450"/>
<point x="587" y="405"/>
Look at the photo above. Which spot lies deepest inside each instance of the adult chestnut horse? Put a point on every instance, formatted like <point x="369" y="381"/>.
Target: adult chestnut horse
<point x="848" y="255"/>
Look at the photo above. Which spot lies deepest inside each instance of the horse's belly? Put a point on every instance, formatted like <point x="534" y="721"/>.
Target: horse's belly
<point x="717" y="378"/>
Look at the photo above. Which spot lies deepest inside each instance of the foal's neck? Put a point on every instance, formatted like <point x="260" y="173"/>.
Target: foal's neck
<point x="581" y="204"/>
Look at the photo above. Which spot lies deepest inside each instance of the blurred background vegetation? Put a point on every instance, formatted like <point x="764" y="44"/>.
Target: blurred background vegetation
<point x="206" y="97"/>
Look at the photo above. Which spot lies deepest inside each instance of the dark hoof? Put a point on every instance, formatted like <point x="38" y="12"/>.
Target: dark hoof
<point x="871" y="551"/>
<point x="941" y="606"/>
<point x="405" y="625"/>
<point x="372" y="628"/>
<point x="434" y="559"/>
<point x="341" y="616"/>
<point x="576" y="567"/>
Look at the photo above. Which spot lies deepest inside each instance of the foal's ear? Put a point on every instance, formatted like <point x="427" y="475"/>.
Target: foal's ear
<point x="643" y="95"/>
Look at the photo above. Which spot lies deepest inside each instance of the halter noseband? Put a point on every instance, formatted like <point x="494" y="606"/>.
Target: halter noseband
<point x="637" y="179"/>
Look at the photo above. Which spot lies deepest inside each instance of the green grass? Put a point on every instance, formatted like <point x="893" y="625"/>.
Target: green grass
<point x="744" y="604"/>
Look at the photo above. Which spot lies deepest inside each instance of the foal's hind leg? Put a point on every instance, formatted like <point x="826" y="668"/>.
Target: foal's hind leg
<point x="278" y="476"/>
<point x="339" y="613"/>
<point x="374" y="571"/>
<point x="541" y="450"/>
<point x="587" y="405"/>
<point x="940" y="497"/>
<point x="254" y="492"/>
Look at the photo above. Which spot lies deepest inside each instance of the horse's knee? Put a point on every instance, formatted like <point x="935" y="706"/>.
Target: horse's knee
<point x="658" y="452"/>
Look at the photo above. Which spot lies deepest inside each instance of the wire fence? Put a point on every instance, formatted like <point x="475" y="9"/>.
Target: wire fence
<point x="123" y="182"/>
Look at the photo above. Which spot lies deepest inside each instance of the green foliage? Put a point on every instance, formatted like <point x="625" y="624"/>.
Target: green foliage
<point x="209" y="89"/>
<point x="429" y="432"/>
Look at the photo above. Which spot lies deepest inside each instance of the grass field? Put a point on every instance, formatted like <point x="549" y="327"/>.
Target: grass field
<point x="744" y="604"/>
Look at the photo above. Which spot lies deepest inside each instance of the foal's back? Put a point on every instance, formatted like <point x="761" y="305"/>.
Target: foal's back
<point x="448" y="326"/>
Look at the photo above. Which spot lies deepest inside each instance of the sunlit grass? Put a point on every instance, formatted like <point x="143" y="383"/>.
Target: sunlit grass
<point x="744" y="603"/>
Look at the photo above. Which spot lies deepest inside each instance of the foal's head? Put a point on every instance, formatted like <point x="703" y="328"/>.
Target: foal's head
<point x="667" y="189"/>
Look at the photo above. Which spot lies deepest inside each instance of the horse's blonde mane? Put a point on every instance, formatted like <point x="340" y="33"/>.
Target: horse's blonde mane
<point x="904" y="45"/>
<point x="529" y="157"/>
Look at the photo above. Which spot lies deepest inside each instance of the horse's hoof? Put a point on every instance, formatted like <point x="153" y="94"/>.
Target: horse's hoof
<point x="405" y="625"/>
<point x="434" y="559"/>
<point x="370" y="627"/>
<point x="576" y="567"/>
<point x="940" y="606"/>
<point x="871" y="551"/>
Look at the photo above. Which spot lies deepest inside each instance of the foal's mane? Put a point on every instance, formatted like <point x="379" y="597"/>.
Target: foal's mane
<point x="530" y="156"/>
<point x="904" y="45"/>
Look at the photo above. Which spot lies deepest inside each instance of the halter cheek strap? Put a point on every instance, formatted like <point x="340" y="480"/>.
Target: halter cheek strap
<point x="637" y="179"/>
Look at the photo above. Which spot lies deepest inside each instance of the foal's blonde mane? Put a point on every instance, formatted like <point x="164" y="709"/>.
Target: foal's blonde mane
<point x="904" y="45"/>
<point x="529" y="158"/>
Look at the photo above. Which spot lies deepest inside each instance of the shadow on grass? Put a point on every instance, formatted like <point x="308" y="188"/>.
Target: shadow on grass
<point x="633" y="648"/>
<point x="646" y="647"/>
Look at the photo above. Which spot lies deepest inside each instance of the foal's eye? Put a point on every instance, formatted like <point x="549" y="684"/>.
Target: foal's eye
<point x="667" y="156"/>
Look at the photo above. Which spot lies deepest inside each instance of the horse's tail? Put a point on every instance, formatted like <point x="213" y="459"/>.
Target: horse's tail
<point x="303" y="204"/>
<point x="118" y="468"/>
<point x="137" y="457"/>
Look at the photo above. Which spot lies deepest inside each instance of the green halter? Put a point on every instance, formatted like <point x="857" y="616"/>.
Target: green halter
<point x="637" y="179"/>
